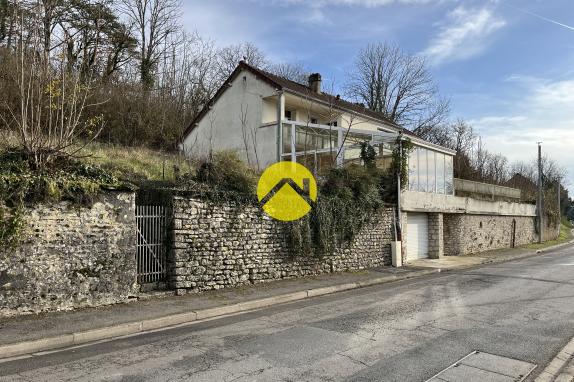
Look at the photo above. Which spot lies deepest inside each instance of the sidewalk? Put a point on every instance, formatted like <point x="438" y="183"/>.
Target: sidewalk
<point x="33" y="333"/>
<point x="567" y="374"/>
<point x="561" y="368"/>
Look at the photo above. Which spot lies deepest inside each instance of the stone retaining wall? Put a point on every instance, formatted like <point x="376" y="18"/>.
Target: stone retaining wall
<point x="217" y="246"/>
<point x="72" y="257"/>
<point x="464" y="234"/>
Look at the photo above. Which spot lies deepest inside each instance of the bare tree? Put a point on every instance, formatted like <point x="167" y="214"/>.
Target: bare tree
<point x="245" y="130"/>
<point x="48" y="117"/>
<point x="228" y="58"/>
<point x="189" y="73"/>
<point x="154" y="21"/>
<point x="524" y="169"/>
<point x="291" y="71"/>
<point x="398" y="85"/>
<point x="8" y="21"/>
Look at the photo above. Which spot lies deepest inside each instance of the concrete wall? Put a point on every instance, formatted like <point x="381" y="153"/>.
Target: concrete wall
<point x="224" y="128"/>
<point x="72" y="257"/>
<point x="429" y="202"/>
<point x="469" y="225"/>
<point x="485" y="191"/>
<point x="217" y="246"/>
<point x="465" y="234"/>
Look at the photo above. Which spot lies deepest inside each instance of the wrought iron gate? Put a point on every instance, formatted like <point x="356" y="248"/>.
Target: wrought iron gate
<point x="151" y="244"/>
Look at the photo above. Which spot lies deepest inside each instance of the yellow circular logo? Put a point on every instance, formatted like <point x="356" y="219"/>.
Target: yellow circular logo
<point x="287" y="191"/>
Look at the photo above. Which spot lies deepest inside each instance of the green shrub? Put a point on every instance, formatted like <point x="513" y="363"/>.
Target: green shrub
<point x="226" y="172"/>
<point x="64" y="179"/>
<point x="347" y="199"/>
<point x="11" y="225"/>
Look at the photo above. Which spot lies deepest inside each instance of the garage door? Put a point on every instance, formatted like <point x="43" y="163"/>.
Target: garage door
<point x="417" y="236"/>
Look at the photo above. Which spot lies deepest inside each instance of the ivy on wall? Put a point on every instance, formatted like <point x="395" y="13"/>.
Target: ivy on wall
<point x="401" y="152"/>
<point x="347" y="199"/>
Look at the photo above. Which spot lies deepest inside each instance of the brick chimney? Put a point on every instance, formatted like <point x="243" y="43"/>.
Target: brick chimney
<point x="315" y="82"/>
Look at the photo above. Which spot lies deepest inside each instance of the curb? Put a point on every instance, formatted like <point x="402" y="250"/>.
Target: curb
<point x="79" y="338"/>
<point x="552" y="371"/>
<point x="554" y="247"/>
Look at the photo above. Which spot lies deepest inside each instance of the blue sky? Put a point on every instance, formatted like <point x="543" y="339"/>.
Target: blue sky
<point x="507" y="66"/>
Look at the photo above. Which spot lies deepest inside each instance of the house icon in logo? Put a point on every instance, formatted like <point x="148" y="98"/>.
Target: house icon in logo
<point x="287" y="191"/>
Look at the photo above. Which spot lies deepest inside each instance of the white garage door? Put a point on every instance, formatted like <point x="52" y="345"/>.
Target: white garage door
<point x="417" y="236"/>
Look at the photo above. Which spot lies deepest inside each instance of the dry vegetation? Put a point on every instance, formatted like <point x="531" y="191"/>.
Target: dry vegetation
<point x="564" y="236"/>
<point x="137" y="163"/>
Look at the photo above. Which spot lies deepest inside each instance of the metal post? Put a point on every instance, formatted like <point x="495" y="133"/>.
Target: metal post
<point x="399" y="217"/>
<point x="279" y="129"/>
<point x="293" y="141"/>
<point x="340" y="156"/>
<point x="539" y="201"/>
<point x="558" y="203"/>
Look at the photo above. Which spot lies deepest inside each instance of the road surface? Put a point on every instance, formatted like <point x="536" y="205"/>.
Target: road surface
<point x="404" y="331"/>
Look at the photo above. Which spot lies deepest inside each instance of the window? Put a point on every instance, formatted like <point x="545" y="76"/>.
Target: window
<point x="431" y="177"/>
<point x="430" y="171"/>
<point x="440" y="173"/>
<point x="448" y="177"/>
<point x="414" y="170"/>
<point x="286" y="139"/>
<point x="289" y="115"/>
<point x="314" y="121"/>
<point x="313" y="139"/>
<point x="423" y="170"/>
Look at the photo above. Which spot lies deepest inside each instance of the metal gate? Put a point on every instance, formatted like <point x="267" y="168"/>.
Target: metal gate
<point x="151" y="244"/>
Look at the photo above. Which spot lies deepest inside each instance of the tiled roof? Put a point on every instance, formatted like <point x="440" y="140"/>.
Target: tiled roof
<point x="284" y="84"/>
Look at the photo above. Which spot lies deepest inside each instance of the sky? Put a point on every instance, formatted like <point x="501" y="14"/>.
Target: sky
<point x="507" y="66"/>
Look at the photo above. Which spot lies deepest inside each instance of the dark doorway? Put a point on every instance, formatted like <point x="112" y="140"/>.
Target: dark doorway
<point x="513" y="234"/>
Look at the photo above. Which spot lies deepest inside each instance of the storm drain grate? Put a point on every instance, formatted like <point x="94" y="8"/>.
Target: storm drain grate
<point x="484" y="367"/>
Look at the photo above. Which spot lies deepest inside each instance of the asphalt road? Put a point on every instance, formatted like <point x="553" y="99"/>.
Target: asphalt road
<point x="404" y="331"/>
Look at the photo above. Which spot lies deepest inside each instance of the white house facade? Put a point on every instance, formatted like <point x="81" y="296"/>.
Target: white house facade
<point x="266" y="119"/>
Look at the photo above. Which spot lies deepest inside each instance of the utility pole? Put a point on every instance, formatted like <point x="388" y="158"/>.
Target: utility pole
<point x="558" y="204"/>
<point x="539" y="201"/>
<point x="399" y="174"/>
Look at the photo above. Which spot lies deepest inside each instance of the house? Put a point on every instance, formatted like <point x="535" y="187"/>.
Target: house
<point x="266" y="119"/>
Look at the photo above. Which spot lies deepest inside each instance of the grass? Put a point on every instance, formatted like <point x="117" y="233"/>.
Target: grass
<point x="128" y="163"/>
<point x="565" y="235"/>
<point x="136" y="163"/>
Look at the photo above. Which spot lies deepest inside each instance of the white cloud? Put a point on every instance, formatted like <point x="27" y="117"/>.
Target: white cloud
<point x="313" y="16"/>
<point x="543" y="114"/>
<point x="464" y="34"/>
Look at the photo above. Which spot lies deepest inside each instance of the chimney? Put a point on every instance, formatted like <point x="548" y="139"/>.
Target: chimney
<point x="315" y="83"/>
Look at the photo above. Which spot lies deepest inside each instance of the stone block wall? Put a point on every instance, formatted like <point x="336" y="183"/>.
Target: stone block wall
<point x="465" y="233"/>
<point x="436" y="236"/>
<point x="218" y="246"/>
<point x="72" y="257"/>
<point x="549" y="230"/>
